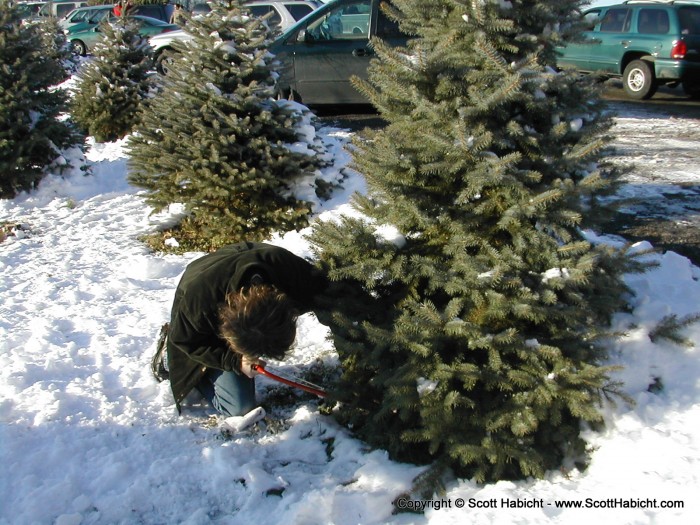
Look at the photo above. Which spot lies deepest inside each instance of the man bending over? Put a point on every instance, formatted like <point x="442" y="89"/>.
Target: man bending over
<point x="233" y="307"/>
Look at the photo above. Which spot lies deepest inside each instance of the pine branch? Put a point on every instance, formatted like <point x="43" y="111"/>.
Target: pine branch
<point x="670" y="326"/>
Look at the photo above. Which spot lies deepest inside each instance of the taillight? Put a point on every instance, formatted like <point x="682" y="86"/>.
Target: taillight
<point x="679" y="49"/>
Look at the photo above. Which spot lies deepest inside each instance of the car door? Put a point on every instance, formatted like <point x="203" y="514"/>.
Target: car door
<point x="330" y="50"/>
<point x="653" y="26"/>
<point x="614" y="37"/>
<point x="578" y="54"/>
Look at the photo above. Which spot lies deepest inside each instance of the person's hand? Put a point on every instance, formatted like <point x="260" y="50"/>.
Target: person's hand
<point x="247" y="365"/>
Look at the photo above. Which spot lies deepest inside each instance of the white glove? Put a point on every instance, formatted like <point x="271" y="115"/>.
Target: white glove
<point x="238" y="423"/>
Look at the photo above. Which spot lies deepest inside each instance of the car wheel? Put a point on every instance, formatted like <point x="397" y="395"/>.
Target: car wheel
<point x="164" y="61"/>
<point x="79" y="47"/>
<point x="692" y="89"/>
<point x="638" y="80"/>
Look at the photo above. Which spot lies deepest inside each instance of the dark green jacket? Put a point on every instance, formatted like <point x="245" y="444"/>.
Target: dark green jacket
<point x="194" y="344"/>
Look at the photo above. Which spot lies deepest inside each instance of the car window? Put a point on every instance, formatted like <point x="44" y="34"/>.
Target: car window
<point x="78" y="16"/>
<point x="24" y="10"/>
<point x="616" y="21"/>
<point x="63" y="9"/>
<point x="653" y="21"/>
<point x="259" y="11"/>
<point x="690" y="20"/>
<point x="28" y="10"/>
<point x="298" y="11"/>
<point x="346" y="22"/>
<point x="591" y="19"/>
<point x="99" y="15"/>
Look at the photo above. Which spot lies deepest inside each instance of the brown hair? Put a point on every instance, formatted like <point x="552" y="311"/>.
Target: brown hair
<point x="259" y="321"/>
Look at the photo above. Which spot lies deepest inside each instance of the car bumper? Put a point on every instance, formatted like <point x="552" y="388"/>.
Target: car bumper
<point x="684" y="70"/>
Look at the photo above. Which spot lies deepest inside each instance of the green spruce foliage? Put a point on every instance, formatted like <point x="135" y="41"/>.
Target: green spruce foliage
<point x="215" y="140"/>
<point x="670" y="327"/>
<point x="31" y="133"/>
<point x="468" y="307"/>
<point x="56" y="44"/>
<point x="112" y="86"/>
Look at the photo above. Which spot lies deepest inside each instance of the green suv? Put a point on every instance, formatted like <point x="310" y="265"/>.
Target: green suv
<point x="646" y="43"/>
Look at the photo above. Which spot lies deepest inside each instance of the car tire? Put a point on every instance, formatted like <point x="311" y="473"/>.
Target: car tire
<point x="692" y="89"/>
<point x="638" y="80"/>
<point x="79" y="47"/>
<point x="164" y="60"/>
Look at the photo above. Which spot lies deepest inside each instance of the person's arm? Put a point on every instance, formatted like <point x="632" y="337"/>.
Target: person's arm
<point x="304" y="281"/>
<point x="202" y="344"/>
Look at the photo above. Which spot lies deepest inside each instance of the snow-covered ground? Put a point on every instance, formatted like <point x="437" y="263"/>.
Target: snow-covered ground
<point x="87" y="435"/>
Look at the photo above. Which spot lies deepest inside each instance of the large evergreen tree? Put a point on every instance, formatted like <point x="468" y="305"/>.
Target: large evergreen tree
<point x="112" y="86"/>
<point x="31" y="133"/>
<point x="470" y="306"/>
<point x="215" y="140"/>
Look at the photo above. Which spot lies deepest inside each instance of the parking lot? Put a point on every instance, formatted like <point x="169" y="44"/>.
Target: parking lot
<point x="665" y="179"/>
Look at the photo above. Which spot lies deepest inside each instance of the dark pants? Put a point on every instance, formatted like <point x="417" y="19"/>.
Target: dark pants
<point x="229" y="393"/>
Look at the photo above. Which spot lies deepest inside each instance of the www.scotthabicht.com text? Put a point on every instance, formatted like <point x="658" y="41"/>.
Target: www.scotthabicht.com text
<point x="537" y="503"/>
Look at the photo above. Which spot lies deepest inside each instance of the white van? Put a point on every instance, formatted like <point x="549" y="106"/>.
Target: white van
<point x="60" y="8"/>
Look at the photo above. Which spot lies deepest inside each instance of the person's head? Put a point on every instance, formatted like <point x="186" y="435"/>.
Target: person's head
<point x="259" y="321"/>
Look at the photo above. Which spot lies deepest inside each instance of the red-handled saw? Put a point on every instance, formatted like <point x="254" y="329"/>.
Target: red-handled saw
<point x="295" y="382"/>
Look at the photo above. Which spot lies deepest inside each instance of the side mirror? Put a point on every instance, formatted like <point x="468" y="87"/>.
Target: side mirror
<point x="301" y="36"/>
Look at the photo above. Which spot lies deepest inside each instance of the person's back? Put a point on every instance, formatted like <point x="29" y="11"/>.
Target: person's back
<point x="231" y="308"/>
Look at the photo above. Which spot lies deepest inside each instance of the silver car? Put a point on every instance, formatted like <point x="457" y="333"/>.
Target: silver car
<point x="285" y="13"/>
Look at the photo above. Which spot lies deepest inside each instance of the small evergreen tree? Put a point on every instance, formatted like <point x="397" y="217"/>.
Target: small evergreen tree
<point x="471" y="335"/>
<point x="31" y="134"/>
<point x="56" y="44"/>
<point x="216" y="141"/>
<point x="112" y="86"/>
